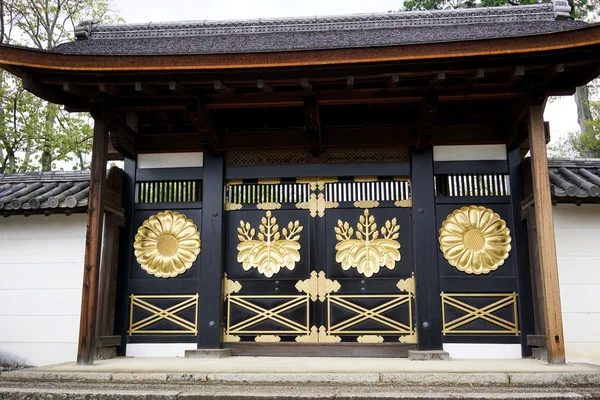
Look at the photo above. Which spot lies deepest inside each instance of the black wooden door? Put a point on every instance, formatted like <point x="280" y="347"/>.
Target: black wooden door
<point x="319" y="260"/>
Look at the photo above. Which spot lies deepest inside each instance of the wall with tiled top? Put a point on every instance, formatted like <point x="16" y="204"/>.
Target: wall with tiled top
<point x="577" y="232"/>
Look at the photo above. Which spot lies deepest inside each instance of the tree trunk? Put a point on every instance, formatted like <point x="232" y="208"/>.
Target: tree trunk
<point x="584" y="112"/>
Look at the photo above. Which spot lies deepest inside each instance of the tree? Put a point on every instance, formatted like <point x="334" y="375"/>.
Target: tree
<point x="35" y="134"/>
<point x="580" y="9"/>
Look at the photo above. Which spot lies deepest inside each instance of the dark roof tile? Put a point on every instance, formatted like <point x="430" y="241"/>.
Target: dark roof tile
<point x="576" y="178"/>
<point x="44" y="191"/>
<point x="328" y="32"/>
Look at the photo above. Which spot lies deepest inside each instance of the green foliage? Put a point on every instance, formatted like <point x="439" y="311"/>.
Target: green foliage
<point x="35" y="134"/>
<point x="581" y="9"/>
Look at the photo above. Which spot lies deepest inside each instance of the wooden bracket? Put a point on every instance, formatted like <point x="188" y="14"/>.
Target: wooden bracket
<point x="204" y="122"/>
<point x="313" y="124"/>
<point x="427" y="113"/>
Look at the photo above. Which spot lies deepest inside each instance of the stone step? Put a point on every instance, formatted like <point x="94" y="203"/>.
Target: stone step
<point x="13" y="390"/>
<point x="507" y="379"/>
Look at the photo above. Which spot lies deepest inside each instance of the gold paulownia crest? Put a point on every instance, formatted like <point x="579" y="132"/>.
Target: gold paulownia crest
<point x="269" y="253"/>
<point x="367" y="253"/>
<point x="167" y="244"/>
<point x="475" y="240"/>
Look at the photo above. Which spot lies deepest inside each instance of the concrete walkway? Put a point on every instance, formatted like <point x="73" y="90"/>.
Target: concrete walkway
<point x="523" y="372"/>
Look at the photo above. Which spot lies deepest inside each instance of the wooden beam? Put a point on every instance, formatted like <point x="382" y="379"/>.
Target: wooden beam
<point x="545" y="237"/>
<point x="204" y="123"/>
<point x="221" y="88"/>
<point x="394" y="81"/>
<point x="93" y="245"/>
<point x="262" y="86"/>
<point x="113" y="90"/>
<point x="306" y="86"/>
<point x="516" y="73"/>
<point x="77" y="90"/>
<point x="350" y="83"/>
<point x="179" y="89"/>
<point x="44" y="91"/>
<point x="425" y="119"/>
<point x="122" y="136"/>
<point x="313" y="125"/>
<point x="437" y="79"/>
<point x="476" y="76"/>
<point x="147" y="90"/>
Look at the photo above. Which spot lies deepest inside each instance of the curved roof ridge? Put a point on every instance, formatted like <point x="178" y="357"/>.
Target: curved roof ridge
<point x="557" y="9"/>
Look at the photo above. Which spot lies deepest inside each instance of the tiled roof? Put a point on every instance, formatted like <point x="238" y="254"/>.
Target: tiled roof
<point x="321" y="32"/>
<point x="575" y="178"/>
<point x="44" y="191"/>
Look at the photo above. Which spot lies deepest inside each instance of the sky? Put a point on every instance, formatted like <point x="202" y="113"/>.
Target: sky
<point x="561" y="113"/>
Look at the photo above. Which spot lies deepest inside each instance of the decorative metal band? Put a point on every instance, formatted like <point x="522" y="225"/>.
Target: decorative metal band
<point x="143" y="302"/>
<point x="376" y="314"/>
<point x="167" y="244"/>
<point x="318" y="286"/>
<point x="475" y="240"/>
<point x="370" y="339"/>
<point x="318" y="335"/>
<point x="472" y="313"/>
<point x="366" y="204"/>
<point x="317" y="205"/>
<point x="269" y="253"/>
<point x="260" y="314"/>
<point x="407" y="285"/>
<point x="268" y="206"/>
<point x="367" y="253"/>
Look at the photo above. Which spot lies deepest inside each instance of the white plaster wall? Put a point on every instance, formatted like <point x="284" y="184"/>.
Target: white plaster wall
<point x="577" y="232"/>
<point x="41" y="272"/>
<point x="170" y="160"/>
<point x="469" y="152"/>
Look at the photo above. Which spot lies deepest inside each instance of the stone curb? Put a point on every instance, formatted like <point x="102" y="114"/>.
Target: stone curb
<point x="446" y="378"/>
<point x="523" y="379"/>
<point x="253" y="394"/>
<point x="357" y="378"/>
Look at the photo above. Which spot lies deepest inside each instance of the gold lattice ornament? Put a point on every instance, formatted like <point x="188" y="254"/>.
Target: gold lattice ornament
<point x="167" y="244"/>
<point x="475" y="240"/>
<point x="270" y="252"/>
<point x="368" y="252"/>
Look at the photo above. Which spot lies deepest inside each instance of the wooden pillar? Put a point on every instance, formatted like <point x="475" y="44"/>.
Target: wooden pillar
<point x="545" y="237"/>
<point x="428" y="302"/>
<point x="211" y="256"/>
<point x="93" y="245"/>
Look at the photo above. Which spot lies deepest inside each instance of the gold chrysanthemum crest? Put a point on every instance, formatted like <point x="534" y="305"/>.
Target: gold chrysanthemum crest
<point x="167" y="244"/>
<point x="270" y="252"/>
<point x="475" y="240"/>
<point x="367" y="253"/>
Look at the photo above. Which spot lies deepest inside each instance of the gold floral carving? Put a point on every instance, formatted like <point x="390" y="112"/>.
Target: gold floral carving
<point x="269" y="253"/>
<point x="366" y="204"/>
<point x="407" y="285"/>
<point x="315" y="182"/>
<point x="408" y="338"/>
<point x="267" y="339"/>
<point x="475" y="240"/>
<point x="318" y="335"/>
<point x="230" y="286"/>
<point x="167" y="244"/>
<point x="317" y="205"/>
<point x="370" y="339"/>
<point x="318" y="286"/>
<point x="367" y="253"/>
<point x="268" y="206"/>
